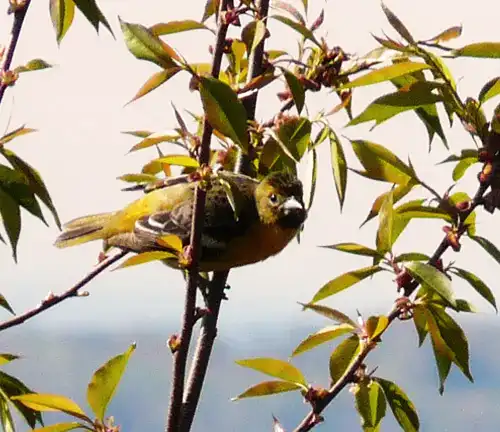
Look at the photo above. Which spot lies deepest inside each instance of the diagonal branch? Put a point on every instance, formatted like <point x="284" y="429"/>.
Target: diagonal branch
<point x="189" y="317"/>
<point x="19" y="14"/>
<point x="52" y="300"/>
<point x="313" y="417"/>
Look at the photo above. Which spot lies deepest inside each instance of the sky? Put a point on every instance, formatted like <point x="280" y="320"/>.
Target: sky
<point x="78" y="107"/>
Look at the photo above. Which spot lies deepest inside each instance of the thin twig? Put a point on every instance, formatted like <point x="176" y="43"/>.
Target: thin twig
<point x="17" y="25"/>
<point x="313" y="417"/>
<point x="56" y="299"/>
<point x="189" y="319"/>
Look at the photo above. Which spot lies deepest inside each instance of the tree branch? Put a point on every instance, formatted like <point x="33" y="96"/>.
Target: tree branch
<point x="52" y="300"/>
<point x="19" y="15"/>
<point x="313" y="417"/>
<point x="189" y="319"/>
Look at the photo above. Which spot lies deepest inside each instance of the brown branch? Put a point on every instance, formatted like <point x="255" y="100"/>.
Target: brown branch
<point x="52" y="300"/>
<point x="313" y="417"/>
<point x="189" y="319"/>
<point x="17" y="25"/>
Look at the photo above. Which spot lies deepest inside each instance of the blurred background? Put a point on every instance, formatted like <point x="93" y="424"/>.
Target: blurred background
<point x="78" y="106"/>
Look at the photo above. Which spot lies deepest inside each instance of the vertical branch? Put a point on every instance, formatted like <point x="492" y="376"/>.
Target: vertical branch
<point x="189" y="319"/>
<point x="216" y="293"/>
<point x="19" y="8"/>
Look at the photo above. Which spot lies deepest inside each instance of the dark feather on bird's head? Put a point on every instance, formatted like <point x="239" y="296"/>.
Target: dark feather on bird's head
<point x="280" y="200"/>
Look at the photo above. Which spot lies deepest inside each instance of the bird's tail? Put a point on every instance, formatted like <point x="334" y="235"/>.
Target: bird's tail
<point x="84" y="229"/>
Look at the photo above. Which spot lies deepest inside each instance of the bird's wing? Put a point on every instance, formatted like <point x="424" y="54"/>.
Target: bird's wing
<point x="220" y="223"/>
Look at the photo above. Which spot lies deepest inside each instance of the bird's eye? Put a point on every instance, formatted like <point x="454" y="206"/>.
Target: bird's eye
<point x="273" y="198"/>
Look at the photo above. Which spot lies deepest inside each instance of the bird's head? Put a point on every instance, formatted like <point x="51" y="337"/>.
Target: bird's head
<point x="279" y="199"/>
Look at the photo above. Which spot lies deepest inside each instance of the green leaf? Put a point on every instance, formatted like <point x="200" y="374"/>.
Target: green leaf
<point x="489" y="90"/>
<point x="381" y="164"/>
<point x="330" y="313"/>
<point x="5" y="414"/>
<point x="389" y="105"/>
<point x="344" y="281"/>
<point x="155" y="81"/>
<point x="34" y="181"/>
<point x="396" y="23"/>
<point x="14" y="134"/>
<point x="170" y="27"/>
<point x="403" y="409"/>
<point x="420" y="321"/>
<point x="277" y="369"/>
<point x="297" y="89"/>
<point x="62" y="427"/>
<point x="11" y="217"/>
<point x="137" y="178"/>
<point x="375" y="326"/>
<point x="385" y="228"/>
<point x="314" y="177"/>
<point x="253" y="34"/>
<point x="61" y="13"/>
<point x="11" y="387"/>
<point x="326" y="334"/>
<point x="480" y="50"/>
<point x="432" y="279"/>
<point x="447" y="35"/>
<point x="461" y="167"/>
<point x="477" y="284"/>
<point x="104" y="383"/>
<point x="298" y="27"/>
<point x="144" y="45"/>
<point x="224" y="110"/>
<point x="179" y="160"/>
<point x="5" y="304"/>
<point x="138" y="133"/>
<point x="33" y="65"/>
<point x="488" y="247"/>
<point x="294" y="136"/>
<point x="399" y="192"/>
<point x="386" y="73"/>
<point x="93" y="14"/>
<point x="354" y="248"/>
<point x="411" y="256"/>
<point x="211" y="7"/>
<point x="156" y="138"/>
<point x="268" y="388"/>
<point x="415" y="210"/>
<point x="342" y="357"/>
<point x="49" y="402"/>
<point x="7" y="358"/>
<point x="371" y="404"/>
<point x="339" y="166"/>
<point x="146" y="257"/>
<point x="454" y="338"/>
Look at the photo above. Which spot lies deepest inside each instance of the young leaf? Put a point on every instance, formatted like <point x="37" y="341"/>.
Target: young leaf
<point x="146" y="257"/>
<point x="354" y="248"/>
<point x="137" y="178"/>
<point x="294" y="136"/>
<point x="5" y="415"/>
<point x="155" y="81"/>
<point x="93" y="14"/>
<point x="104" y="382"/>
<point x="371" y="405"/>
<point x="277" y="369"/>
<point x="22" y="130"/>
<point x="480" y="50"/>
<point x="314" y="177"/>
<point x="477" y="284"/>
<point x="50" y="402"/>
<point x="339" y="166"/>
<point x="211" y="8"/>
<point x="344" y="281"/>
<point x="253" y="34"/>
<point x="411" y="256"/>
<point x="432" y="279"/>
<point x="375" y="325"/>
<point x="170" y="27"/>
<point x="420" y="321"/>
<point x="268" y="388"/>
<point x="488" y="247"/>
<point x="298" y="27"/>
<point x="179" y="160"/>
<point x="11" y="217"/>
<point x="396" y="23"/>
<point x="385" y="228"/>
<point x="326" y="334"/>
<point x="386" y="73"/>
<point x="446" y="35"/>
<point x="403" y="409"/>
<point x="297" y="89"/>
<point x="381" y="164"/>
<point x="399" y="192"/>
<point x="224" y="110"/>
<point x="330" y="313"/>
<point x="61" y="13"/>
<point x="343" y="355"/>
<point x="144" y="45"/>
<point x="489" y="90"/>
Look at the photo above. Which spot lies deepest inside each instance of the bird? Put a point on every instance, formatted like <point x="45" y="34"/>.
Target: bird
<point x="253" y="222"/>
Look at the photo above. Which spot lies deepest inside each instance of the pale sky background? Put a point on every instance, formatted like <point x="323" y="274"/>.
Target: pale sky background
<point x="78" y="107"/>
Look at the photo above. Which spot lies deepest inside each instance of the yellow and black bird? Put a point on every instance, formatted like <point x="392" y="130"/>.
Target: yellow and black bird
<point x="268" y="215"/>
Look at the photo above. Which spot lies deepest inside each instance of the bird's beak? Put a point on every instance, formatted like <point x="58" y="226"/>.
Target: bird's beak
<point x="293" y="213"/>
